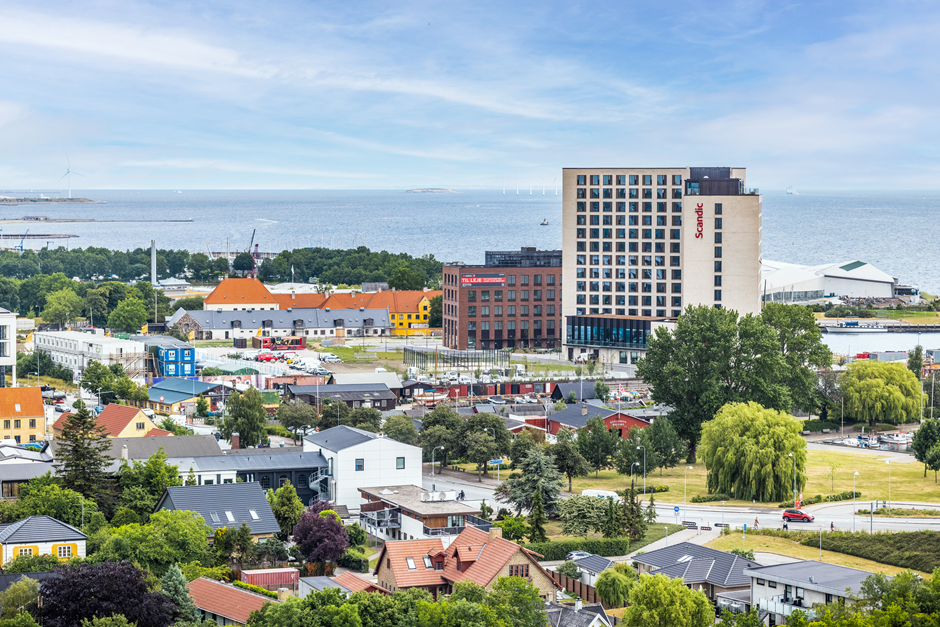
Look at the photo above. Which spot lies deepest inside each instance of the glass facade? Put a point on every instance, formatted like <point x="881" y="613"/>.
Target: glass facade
<point x="602" y="332"/>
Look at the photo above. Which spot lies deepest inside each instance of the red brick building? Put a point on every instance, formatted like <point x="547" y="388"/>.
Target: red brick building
<point x="512" y="301"/>
<point x="577" y="416"/>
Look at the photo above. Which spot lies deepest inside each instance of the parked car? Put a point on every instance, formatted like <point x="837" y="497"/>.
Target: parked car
<point x="796" y="514"/>
<point x="266" y="357"/>
<point x="61" y="408"/>
<point x="576" y="555"/>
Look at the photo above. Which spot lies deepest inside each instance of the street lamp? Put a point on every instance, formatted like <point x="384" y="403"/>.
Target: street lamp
<point x="888" y="461"/>
<point x="794" y="478"/>
<point x="644" y="467"/>
<point x="631" y="473"/>
<point x="666" y="536"/>
<point x="685" y="491"/>
<point x="853" y="501"/>
<point x="432" y="458"/>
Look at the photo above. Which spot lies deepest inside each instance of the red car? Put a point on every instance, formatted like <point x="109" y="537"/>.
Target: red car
<point x="795" y="514"/>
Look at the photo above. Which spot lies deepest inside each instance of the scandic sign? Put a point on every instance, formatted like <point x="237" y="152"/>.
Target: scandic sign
<point x="483" y="279"/>
<point x="698" y="216"/>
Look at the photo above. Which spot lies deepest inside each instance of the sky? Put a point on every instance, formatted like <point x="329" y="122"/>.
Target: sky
<point x="391" y="95"/>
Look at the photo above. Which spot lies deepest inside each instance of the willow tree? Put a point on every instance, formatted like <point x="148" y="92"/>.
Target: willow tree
<point x="880" y="391"/>
<point x="747" y="451"/>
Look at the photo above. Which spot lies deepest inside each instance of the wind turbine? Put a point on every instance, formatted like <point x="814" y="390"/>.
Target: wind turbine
<point x="69" y="173"/>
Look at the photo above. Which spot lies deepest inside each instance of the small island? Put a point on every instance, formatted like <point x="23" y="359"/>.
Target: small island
<point x="431" y="190"/>
<point x="9" y="200"/>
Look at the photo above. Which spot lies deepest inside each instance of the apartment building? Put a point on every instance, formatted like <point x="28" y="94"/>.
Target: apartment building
<point x="7" y="345"/>
<point x="513" y="300"/>
<point x="641" y="244"/>
<point x="75" y="349"/>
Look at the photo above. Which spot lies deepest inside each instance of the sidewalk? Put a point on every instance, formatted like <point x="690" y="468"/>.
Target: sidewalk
<point x="469" y="478"/>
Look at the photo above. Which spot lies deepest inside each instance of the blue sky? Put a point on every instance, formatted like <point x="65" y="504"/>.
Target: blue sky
<point x="202" y="95"/>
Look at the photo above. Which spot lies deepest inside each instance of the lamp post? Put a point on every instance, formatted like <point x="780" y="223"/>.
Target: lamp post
<point x="432" y="458"/>
<point x="35" y="373"/>
<point x="685" y="491"/>
<point x="635" y="464"/>
<point x="644" y="467"/>
<point x="830" y="485"/>
<point x="888" y="461"/>
<point x="794" y="478"/>
<point x="853" y="501"/>
<point x="666" y="535"/>
<point x="722" y="513"/>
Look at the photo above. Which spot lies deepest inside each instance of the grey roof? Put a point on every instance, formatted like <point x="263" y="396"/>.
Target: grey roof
<point x="559" y="615"/>
<point x="8" y="580"/>
<point x="562" y="390"/>
<point x="177" y="446"/>
<point x="828" y="577"/>
<point x="391" y="380"/>
<point x="410" y="497"/>
<point x="695" y="563"/>
<point x="259" y="460"/>
<point x="594" y="563"/>
<point x="574" y="415"/>
<point x="512" y="423"/>
<point x="165" y="341"/>
<point x="31" y="470"/>
<point x="273" y="450"/>
<point x="239" y="499"/>
<point x="38" y="529"/>
<point x="344" y="392"/>
<point x="340" y="438"/>
<point x="322" y="583"/>
<point x="186" y="386"/>
<point x="26" y="455"/>
<point x="284" y="319"/>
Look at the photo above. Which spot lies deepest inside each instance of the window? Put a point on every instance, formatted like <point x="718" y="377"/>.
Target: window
<point x="718" y="251"/>
<point x="677" y="179"/>
<point x="32" y="423"/>
<point x="647" y="179"/>
<point x="18" y="423"/>
<point x="282" y="480"/>
<point x="595" y="179"/>
<point x="140" y="426"/>
<point x="521" y="570"/>
<point x="399" y="463"/>
<point x="828" y="598"/>
<point x="717" y="237"/>
<point x="411" y="563"/>
<point x="265" y="482"/>
<point x="25" y="552"/>
<point x="511" y="280"/>
<point x="799" y="593"/>
<point x="64" y="552"/>
<point x="717" y="266"/>
<point x="717" y="208"/>
<point x="717" y="280"/>
<point x="718" y="223"/>
<point x="215" y="517"/>
<point x="229" y="517"/>
<point x="438" y="565"/>
<point x="6" y="424"/>
<point x="717" y="295"/>
<point x="302" y="481"/>
<point x="472" y="311"/>
<point x="254" y="514"/>
<point x="582" y="179"/>
<point x="360" y="465"/>
<point x="771" y="584"/>
<point x="427" y="562"/>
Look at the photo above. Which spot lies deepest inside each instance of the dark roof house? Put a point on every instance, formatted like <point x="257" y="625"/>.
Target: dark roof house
<point x="339" y="438"/>
<point x="224" y="505"/>
<point x="37" y="529"/>
<point x="559" y="615"/>
<point x="697" y="565"/>
<point x="375" y="395"/>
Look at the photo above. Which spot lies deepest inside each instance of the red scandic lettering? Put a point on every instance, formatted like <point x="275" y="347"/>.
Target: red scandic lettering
<point x="699" y="210"/>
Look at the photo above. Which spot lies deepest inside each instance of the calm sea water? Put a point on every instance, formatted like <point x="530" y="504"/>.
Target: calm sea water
<point x="895" y="231"/>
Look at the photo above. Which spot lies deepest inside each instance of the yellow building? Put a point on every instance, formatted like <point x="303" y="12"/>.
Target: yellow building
<point x="120" y="421"/>
<point x="40" y="535"/>
<point x="22" y="415"/>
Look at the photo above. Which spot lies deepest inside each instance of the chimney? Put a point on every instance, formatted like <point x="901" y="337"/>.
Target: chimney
<point x="577" y="604"/>
<point x="282" y="594"/>
<point x="235" y="440"/>
<point x="584" y="410"/>
<point x="496" y="532"/>
<point x="124" y="452"/>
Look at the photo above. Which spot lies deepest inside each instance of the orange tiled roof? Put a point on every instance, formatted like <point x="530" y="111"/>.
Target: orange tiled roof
<point x="115" y="418"/>
<point x="398" y="551"/>
<point x="227" y="601"/>
<point x="408" y="301"/>
<point x="21" y="403"/>
<point x="157" y="433"/>
<point x="59" y="423"/>
<point x="300" y="301"/>
<point x="355" y="583"/>
<point x="240" y="291"/>
<point x="489" y="559"/>
<point x="347" y="301"/>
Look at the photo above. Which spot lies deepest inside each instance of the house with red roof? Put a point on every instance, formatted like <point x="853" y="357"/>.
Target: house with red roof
<point x="474" y="555"/>
<point x="119" y="421"/>
<point x="223" y="603"/>
<point x="241" y="294"/>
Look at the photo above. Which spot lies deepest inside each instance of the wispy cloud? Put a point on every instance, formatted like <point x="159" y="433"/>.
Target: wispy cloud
<point x="225" y="166"/>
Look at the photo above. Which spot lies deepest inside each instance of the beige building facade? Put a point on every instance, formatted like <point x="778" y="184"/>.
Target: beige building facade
<point x="641" y="244"/>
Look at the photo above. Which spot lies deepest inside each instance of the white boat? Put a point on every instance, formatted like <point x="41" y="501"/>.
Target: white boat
<point x="855" y="327"/>
<point x="791" y="191"/>
<point x="544" y="222"/>
<point x="896" y="438"/>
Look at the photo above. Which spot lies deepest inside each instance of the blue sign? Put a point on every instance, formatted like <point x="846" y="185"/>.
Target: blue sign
<point x="676" y="509"/>
<point x="495" y="462"/>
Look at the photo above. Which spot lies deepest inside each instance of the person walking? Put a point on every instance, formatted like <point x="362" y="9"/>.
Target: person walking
<point x="786" y="527"/>
<point x="756" y="524"/>
<point x="832" y="527"/>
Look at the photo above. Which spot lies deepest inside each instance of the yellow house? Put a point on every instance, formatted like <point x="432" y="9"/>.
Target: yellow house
<point x="408" y="311"/>
<point x="40" y="535"/>
<point x="119" y="421"/>
<point x="22" y="415"/>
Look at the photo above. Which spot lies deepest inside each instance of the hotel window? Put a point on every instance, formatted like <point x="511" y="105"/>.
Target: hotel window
<point x="718" y="223"/>
<point x="581" y="246"/>
<point x="582" y="179"/>
<point x="581" y="206"/>
<point x="647" y="233"/>
<point x="647" y="207"/>
<point x="595" y="233"/>
<point x="677" y="221"/>
<point x="676" y="207"/>
<point x="634" y="192"/>
<point x="595" y="220"/>
<point x="660" y="260"/>
<point x="717" y="266"/>
<point x="677" y="301"/>
<point x="647" y="179"/>
<point x="647" y="192"/>
<point x="608" y="179"/>
<point x="621" y="193"/>
<point x="660" y="207"/>
<point x="660" y="233"/>
<point x="717" y="238"/>
<point x="676" y="288"/>
<point x="595" y="179"/>
<point x="677" y="192"/>
<point x="660" y="220"/>
<point x="582" y="193"/>
<point x="581" y="220"/>
<point x="717" y="208"/>
<point x="660" y="179"/>
<point x="608" y="193"/>
<point x="621" y="206"/>
<point x="621" y="179"/>
<point x="606" y="233"/>
<point x="677" y="275"/>
<point x="660" y="288"/>
<point x="718" y="251"/>
<point x="634" y="179"/>
<point x="634" y="207"/>
<point x="661" y="193"/>
<point x="717" y="295"/>
<point x="595" y="192"/>
<point x="677" y="179"/>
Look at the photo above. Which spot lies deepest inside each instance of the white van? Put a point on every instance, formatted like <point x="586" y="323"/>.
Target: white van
<point x="604" y="494"/>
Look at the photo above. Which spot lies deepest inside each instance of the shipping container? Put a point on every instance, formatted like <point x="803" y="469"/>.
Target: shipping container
<point x="290" y="342"/>
<point x="271" y="577"/>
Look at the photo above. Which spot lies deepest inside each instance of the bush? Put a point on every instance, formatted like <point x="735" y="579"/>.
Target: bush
<point x="652" y="489"/>
<point x="278" y="431"/>
<point x="816" y="426"/>
<point x="708" y="498"/>
<point x="354" y="559"/>
<point x="917" y="550"/>
<point x="819" y="498"/>
<point x="255" y="589"/>
<point x="569" y="569"/>
<point x="605" y="547"/>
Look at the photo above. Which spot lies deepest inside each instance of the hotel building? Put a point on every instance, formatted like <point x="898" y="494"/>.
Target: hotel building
<point x="641" y="244"/>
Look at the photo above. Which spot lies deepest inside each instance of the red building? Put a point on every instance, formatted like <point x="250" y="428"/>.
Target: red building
<point x="577" y="416"/>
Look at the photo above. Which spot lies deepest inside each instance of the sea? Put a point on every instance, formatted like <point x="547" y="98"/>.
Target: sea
<point x="896" y="231"/>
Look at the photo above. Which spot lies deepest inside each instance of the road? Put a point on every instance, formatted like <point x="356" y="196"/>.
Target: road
<point x="474" y="490"/>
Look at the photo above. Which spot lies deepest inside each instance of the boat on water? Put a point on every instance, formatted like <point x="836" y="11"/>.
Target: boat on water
<point x="544" y="222"/>
<point x="896" y="438"/>
<point x="791" y="191"/>
<point x="855" y="327"/>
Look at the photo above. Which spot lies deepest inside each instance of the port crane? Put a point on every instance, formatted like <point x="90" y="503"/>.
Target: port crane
<point x="23" y="240"/>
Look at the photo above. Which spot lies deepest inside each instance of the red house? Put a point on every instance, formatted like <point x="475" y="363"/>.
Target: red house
<point x="577" y="416"/>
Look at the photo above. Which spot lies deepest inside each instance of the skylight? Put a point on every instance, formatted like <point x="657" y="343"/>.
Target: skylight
<point x="684" y="558"/>
<point x="254" y="514"/>
<point x="214" y="516"/>
<point x="411" y="563"/>
<point x="229" y="516"/>
<point x="427" y="562"/>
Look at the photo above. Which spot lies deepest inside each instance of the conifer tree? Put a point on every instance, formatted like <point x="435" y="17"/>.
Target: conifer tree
<point x="650" y="515"/>
<point x="82" y="456"/>
<point x="537" y="519"/>
<point x="632" y="521"/>
<point x="173" y="586"/>
<point x="611" y="524"/>
<point x="191" y="477"/>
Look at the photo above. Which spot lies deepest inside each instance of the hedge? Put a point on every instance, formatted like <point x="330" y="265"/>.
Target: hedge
<point x="605" y="547"/>
<point x="816" y="426"/>
<point x="279" y="431"/>
<point x="918" y="550"/>
<point x="708" y="498"/>
<point x="819" y="498"/>
<point x="255" y="589"/>
<point x="653" y="489"/>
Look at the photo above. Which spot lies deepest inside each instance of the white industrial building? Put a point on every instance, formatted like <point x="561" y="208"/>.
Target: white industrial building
<point x="8" y="344"/>
<point x="361" y="459"/>
<point x="789" y="282"/>
<point x="75" y="349"/>
<point x="220" y="324"/>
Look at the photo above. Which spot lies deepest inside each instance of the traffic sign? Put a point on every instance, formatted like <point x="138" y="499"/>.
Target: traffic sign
<point x="676" y="509"/>
<point x="161" y="399"/>
<point x="495" y="462"/>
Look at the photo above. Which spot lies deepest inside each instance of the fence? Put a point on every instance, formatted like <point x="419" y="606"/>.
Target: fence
<point x="261" y="367"/>
<point x="575" y="587"/>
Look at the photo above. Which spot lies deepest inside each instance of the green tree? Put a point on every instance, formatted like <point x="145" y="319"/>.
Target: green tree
<point x="747" y="554"/>
<point x="613" y="588"/>
<point x="436" y="442"/>
<point x="522" y="445"/>
<point x="173" y="586"/>
<point x="537" y="473"/>
<point x="479" y="448"/>
<point x="95" y="305"/>
<point x="650" y="514"/>
<point x="191" y="477"/>
<point x="711" y="358"/>
<point x="297" y="416"/>
<point x="19" y="597"/>
<point x="366" y="418"/>
<point x="537" y="519"/>
<point x="880" y="391"/>
<point x="401" y="428"/>
<point x="97" y="376"/>
<point x="568" y="458"/>
<point x="171" y="537"/>
<point x="129" y="316"/>
<point x="925" y="438"/>
<point x="115" y="620"/>
<point x="153" y="476"/>
<point x="629" y="451"/>
<point x="243" y="263"/>
<point x="915" y="361"/>
<point x="82" y="453"/>
<point x="190" y="303"/>
<point x="436" y="312"/>
<point x="596" y="444"/>
<point x="60" y="503"/>
<point x="631" y="517"/>
<point x="287" y="508"/>
<point x="664" y="602"/>
<point x="245" y="415"/>
<point x="802" y="347"/>
<point x="601" y="390"/>
<point x="933" y="460"/>
<point x="746" y="449"/>
<point x="125" y="516"/>
<point x="517" y="602"/>
<point x="514" y="528"/>
<point x="665" y="443"/>
<point x="580" y="514"/>
<point x="404" y="278"/>
<point x="611" y="527"/>
<point x="62" y="306"/>
<point x="569" y="569"/>
<point x="202" y="406"/>
<point x="490" y="424"/>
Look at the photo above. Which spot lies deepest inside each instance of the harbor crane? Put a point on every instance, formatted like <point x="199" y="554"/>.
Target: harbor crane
<point x="23" y="240"/>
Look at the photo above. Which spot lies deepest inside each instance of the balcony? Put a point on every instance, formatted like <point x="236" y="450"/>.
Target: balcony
<point x="479" y="523"/>
<point x="382" y="519"/>
<point x="434" y="532"/>
<point x="601" y="343"/>
<point x="784" y="606"/>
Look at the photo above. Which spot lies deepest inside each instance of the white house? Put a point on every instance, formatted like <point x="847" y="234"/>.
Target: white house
<point x="75" y="349"/>
<point x="783" y="588"/>
<point x="360" y="459"/>
<point x="40" y="535"/>
<point x="409" y="512"/>
<point x="8" y="342"/>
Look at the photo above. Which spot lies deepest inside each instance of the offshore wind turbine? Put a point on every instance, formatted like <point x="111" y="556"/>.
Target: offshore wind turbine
<point x="504" y="186"/>
<point x="543" y="185"/>
<point x="517" y="186"/>
<point x="530" y="186"/>
<point x="69" y="173"/>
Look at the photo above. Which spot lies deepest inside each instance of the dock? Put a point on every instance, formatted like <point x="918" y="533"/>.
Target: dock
<point x="22" y="236"/>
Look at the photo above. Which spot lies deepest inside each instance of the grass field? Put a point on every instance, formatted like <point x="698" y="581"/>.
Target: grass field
<point x="782" y="546"/>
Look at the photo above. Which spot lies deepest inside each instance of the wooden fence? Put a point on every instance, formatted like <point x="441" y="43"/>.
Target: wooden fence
<point x="575" y="587"/>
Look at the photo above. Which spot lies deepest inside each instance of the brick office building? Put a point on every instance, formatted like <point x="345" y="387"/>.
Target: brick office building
<point x="512" y="301"/>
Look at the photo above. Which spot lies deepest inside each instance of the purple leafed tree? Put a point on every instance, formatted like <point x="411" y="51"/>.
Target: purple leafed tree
<point x="101" y="590"/>
<point x="320" y="539"/>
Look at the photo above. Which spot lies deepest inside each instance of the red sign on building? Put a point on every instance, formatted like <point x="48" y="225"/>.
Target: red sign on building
<point x="497" y="279"/>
